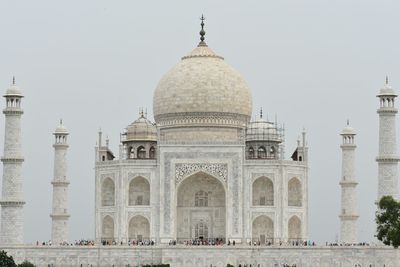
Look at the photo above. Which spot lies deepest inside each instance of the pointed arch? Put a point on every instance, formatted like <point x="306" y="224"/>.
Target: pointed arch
<point x="294" y="228"/>
<point x="263" y="192"/>
<point x="139" y="192"/>
<point x="131" y="152"/>
<point x="152" y="152"/>
<point x="107" y="229"/>
<point x="261" y="152"/>
<point x="141" y="152"/>
<point x="139" y="228"/>
<point x="295" y="194"/>
<point x="263" y="229"/>
<point x="251" y="153"/>
<point x="207" y="217"/>
<point x="108" y="192"/>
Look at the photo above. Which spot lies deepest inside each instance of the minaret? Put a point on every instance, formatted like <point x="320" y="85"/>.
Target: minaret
<point x="387" y="158"/>
<point x="60" y="216"/>
<point x="12" y="202"/>
<point x="348" y="216"/>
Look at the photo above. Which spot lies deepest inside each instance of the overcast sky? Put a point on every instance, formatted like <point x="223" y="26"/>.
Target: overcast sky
<point x="94" y="63"/>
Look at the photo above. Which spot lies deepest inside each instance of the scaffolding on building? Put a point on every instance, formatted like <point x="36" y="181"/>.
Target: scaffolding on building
<point x="266" y="135"/>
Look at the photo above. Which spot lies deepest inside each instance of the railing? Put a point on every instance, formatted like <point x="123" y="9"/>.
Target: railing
<point x="198" y="242"/>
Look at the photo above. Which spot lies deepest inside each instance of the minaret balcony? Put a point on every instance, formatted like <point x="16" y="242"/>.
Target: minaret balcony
<point x="13" y="111"/>
<point x="12" y="203"/>
<point x="384" y="110"/>
<point x="348" y="146"/>
<point x="60" y="216"/>
<point x="388" y="159"/>
<point x="348" y="217"/>
<point x="346" y="183"/>
<point x="12" y="160"/>
<point x="60" y="183"/>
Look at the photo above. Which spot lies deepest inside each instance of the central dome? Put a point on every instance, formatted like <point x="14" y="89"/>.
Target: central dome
<point x="202" y="84"/>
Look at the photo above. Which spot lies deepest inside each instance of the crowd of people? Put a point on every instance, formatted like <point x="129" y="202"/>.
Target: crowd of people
<point x="336" y="244"/>
<point x="202" y="242"/>
<point x="81" y="242"/>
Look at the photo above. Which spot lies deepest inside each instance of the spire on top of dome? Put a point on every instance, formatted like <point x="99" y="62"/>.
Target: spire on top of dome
<point x="261" y="114"/>
<point x="387" y="90"/>
<point x="202" y="32"/>
<point x="13" y="90"/>
<point x="141" y="113"/>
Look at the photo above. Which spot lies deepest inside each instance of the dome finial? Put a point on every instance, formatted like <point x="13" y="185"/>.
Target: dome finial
<point x="141" y="112"/>
<point x="387" y="80"/>
<point x="348" y="123"/>
<point x="13" y="82"/>
<point x="60" y="121"/>
<point x="202" y="32"/>
<point x="261" y="113"/>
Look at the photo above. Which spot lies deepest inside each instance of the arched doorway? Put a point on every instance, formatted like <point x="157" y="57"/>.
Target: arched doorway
<point x="139" y="228"/>
<point x="263" y="230"/>
<point x="294" y="229"/>
<point x="201" y="209"/>
<point x="107" y="230"/>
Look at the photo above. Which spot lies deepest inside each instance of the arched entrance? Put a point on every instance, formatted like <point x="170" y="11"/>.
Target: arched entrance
<point x="201" y="209"/>
<point x="139" y="228"/>
<point x="107" y="230"/>
<point x="294" y="229"/>
<point x="263" y="230"/>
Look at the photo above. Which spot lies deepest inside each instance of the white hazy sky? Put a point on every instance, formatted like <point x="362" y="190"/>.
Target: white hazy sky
<point x="94" y="63"/>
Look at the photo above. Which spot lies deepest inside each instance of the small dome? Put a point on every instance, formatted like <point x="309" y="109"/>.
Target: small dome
<point x="202" y="83"/>
<point x="13" y="90"/>
<point x="262" y="129"/>
<point x="387" y="90"/>
<point x="141" y="129"/>
<point x="61" y="129"/>
<point x="348" y="131"/>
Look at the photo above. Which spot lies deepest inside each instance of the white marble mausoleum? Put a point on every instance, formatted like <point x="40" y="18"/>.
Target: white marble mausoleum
<point x="203" y="169"/>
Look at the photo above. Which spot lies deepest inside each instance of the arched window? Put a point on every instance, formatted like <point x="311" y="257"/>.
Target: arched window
<point x="152" y="152"/>
<point x="108" y="192"/>
<point x="251" y="153"/>
<point x="294" y="193"/>
<point x="139" y="192"/>
<point x="272" y="152"/>
<point x="201" y="230"/>
<point x="131" y="152"/>
<point x="263" y="192"/>
<point x="141" y="152"/>
<point x="201" y="199"/>
<point x="262" y="153"/>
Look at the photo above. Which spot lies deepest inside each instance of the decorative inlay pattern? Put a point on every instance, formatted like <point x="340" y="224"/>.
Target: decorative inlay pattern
<point x="182" y="170"/>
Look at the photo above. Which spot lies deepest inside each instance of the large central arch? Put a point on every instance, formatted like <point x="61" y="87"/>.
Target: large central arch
<point x="201" y="208"/>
